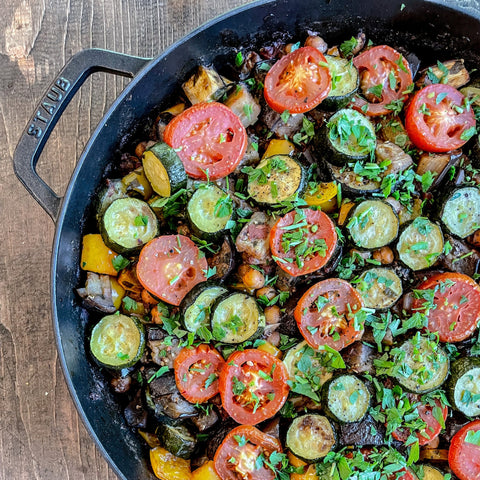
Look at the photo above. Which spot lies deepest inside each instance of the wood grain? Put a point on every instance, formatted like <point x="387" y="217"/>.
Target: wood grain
<point x="41" y="436"/>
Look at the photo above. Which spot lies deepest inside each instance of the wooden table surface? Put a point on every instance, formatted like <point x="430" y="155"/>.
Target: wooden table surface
<point x="41" y="435"/>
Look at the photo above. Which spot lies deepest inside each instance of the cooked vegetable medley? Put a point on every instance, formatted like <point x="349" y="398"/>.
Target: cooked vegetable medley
<point x="287" y="267"/>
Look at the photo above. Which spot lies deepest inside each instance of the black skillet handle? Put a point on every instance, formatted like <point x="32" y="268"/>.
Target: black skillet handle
<point x="51" y="107"/>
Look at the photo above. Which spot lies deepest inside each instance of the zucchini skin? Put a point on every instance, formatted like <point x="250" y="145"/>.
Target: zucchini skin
<point x="336" y="102"/>
<point x="177" y="440"/>
<point x="348" y="179"/>
<point x="459" y="368"/>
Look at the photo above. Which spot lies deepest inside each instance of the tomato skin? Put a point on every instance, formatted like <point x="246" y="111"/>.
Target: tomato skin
<point x="258" y="442"/>
<point x="244" y="366"/>
<point x="165" y="258"/>
<point x="453" y="319"/>
<point x="374" y="66"/>
<point x="441" y="130"/>
<point x="433" y="428"/>
<point x="325" y="230"/>
<point x="298" y="82"/>
<point x="315" y="327"/>
<point x="463" y="457"/>
<point x="202" y="357"/>
<point x="207" y="136"/>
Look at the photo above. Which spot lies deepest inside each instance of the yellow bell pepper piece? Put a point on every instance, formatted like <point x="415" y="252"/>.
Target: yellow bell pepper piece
<point x="206" y="472"/>
<point x="117" y="293"/>
<point x="167" y="466"/>
<point x="323" y="196"/>
<point x="344" y="210"/>
<point x="279" y="147"/>
<point x="96" y="256"/>
<point x="270" y="348"/>
<point x="309" y="471"/>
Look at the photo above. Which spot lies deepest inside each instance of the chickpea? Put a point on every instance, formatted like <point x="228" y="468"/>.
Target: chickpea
<point x="272" y="314"/>
<point x="252" y="278"/>
<point x="268" y="292"/>
<point x="383" y="255"/>
<point x="316" y="42"/>
<point x="140" y="149"/>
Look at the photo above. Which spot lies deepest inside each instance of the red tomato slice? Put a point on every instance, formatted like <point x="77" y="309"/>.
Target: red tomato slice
<point x="313" y="251"/>
<point x="208" y="137"/>
<point x="298" y="82"/>
<point x="436" y="119"/>
<point x="197" y="370"/>
<point x="456" y="303"/>
<point x="384" y="76"/>
<point x="170" y="266"/>
<point x="433" y="426"/>
<point x="463" y="456"/>
<point x="253" y="386"/>
<point x="325" y="314"/>
<point x="237" y="457"/>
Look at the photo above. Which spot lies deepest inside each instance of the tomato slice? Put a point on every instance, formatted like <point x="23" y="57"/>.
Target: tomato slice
<point x="170" y="266"/>
<point x="463" y="456"/>
<point x="433" y="426"/>
<point x="384" y="77"/>
<point x="239" y="457"/>
<point x="325" y="314"/>
<point x="437" y="118"/>
<point x="298" y="82"/>
<point x="456" y="305"/>
<point x="208" y="137"/>
<point x="303" y="241"/>
<point x="253" y="386"/>
<point x="197" y="370"/>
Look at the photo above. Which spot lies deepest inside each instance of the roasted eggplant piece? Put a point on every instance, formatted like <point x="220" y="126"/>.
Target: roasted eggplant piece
<point x="462" y="258"/>
<point x="451" y="72"/>
<point x="364" y="433"/>
<point x="223" y="261"/>
<point x="98" y="293"/>
<point x="359" y="358"/>
<point x="135" y="414"/>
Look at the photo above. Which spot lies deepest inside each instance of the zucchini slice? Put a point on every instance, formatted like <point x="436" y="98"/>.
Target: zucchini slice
<point x="351" y="182"/>
<point x="425" y="365"/>
<point x="236" y="318"/>
<point x="209" y="211"/>
<point x="461" y="211"/>
<point x="346" y="398"/>
<point x="128" y="224"/>
<point x="349" y="137"/>
<point x="276" y="179"/>
<point x="117" y="341"/>
<point x="164" y="169"/>
<point x="114" y="190"/>
<point x="345" y="82"/>
<point x="380" y="288"/>
<point x="373" y="224"/>
<point x="197" y="305"/>
<point x="464" y="386"/>
<point x="432" y="473"/>
<point x="177" y="440"/>
<point x="420" y="243"/>
<point x="310" y="437"/>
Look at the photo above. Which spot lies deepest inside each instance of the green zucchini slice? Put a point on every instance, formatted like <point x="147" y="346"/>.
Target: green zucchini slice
<point x="197" y="306"/>
<point x="209" y="211"/>
<point x="310" y="437"/>
<point x="236" y="318"/>
<point x="346" y="398"/>
<point x="464" y="386"/>
<point x="424" y="365"/>
<point x="276" y="179"/>
<point x="432" y="473"/>
<point x="373" y="224"/>
<point x="177" y="440"/>
<point x="461" y="211"/>
<point x="420" y="243"/>
<point x="117" y="341"/>
<point x="351" y="182"/>
<point x="380" y="288"/>
<point x="164" y="169"/>
<point x="128" y="224"/>
<point x="345" y="82"/>
<point x="349" y="137"/>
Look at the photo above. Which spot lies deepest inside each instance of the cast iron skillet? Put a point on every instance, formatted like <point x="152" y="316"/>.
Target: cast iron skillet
<point x="439" y="29"/>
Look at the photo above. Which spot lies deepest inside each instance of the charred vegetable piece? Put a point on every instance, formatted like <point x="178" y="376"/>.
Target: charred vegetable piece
<point x="117" y="341"/>
<point x="204" y="85"/>
<point x="102" y="292"/>
<point x="128" y="224"/>
<point x="373" y="224"/>
<point x="450" y="72"/>
<point x="346" y="398"/>
<point x="310" y="437"/>
<point x="461" y="211"/>
<point x="464" y="386"/>
<point x="420" y="243"/>
<point x="424" y="365"/>
<point x="177" y="440"/>
<point x="242" y="104"/>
